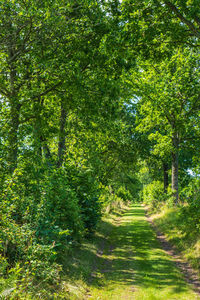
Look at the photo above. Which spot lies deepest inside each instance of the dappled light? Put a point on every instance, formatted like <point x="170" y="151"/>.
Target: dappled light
<point x="99" y="113"/>
<point x="127" y="259"/>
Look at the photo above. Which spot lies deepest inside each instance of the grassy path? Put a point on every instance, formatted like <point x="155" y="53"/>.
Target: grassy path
<point x="127" y="262"/>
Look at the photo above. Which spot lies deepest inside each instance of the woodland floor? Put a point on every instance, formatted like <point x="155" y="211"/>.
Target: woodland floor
<point x="127" y="261"/>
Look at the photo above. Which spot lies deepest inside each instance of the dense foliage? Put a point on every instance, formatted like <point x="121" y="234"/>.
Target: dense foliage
<point x="97" y="100"/>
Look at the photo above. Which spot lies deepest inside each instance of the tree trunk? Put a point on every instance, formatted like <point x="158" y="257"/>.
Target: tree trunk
<point x="14" y="115"/>
<point x="37" y="128"/>
<point x="47" y="152"/>
<point x="13" y="134"/>
<point x="61" y="143"/>
<point x="175" y="167"/>
<point x="165" y="175"/>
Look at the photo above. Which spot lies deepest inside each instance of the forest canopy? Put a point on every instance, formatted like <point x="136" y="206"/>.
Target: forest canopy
<point x="100" y="103"/>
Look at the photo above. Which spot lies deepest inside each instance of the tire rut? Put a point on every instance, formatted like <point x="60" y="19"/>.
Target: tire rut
<point x="190" y="275"/>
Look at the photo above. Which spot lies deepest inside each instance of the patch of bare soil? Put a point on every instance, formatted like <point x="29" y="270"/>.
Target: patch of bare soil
<point x="190" y="275"/>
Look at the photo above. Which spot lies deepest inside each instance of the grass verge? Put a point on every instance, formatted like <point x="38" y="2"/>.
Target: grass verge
<point x="180" y="232"/>
<point x="124" y="260"/>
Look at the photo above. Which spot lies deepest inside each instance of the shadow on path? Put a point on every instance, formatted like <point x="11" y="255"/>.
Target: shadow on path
<point x="126" y="253"/>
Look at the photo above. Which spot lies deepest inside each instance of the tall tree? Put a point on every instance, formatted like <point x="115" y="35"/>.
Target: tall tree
<point x="169" y="104"/>
<point x="157" y="26"/>
<point x="49" y="51"/>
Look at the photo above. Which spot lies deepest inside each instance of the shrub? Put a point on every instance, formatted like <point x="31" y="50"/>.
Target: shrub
<point x="24" y="262"/>
<point x="84" y="183"/>
<point x="43" y="197"/>
<point x="109" y="200"/>
<point x="59" y="213"/>
<point x="43" y="211"/>
<point x="153" y="194"/>
<point x="190" y="195"/>
<point x="123" y="193"/>
<point x="3" y="265"/>
<point x="37" y="222"/>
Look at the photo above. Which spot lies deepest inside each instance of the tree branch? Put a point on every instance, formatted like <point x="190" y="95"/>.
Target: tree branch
<point x="177" y="12"/>
<point x="48" y="90"/>
<point x="4" y="92"/>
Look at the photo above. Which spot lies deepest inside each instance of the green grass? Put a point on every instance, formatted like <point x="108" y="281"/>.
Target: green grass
<point x="181" y="232"/>
<point x="123" y="261"/>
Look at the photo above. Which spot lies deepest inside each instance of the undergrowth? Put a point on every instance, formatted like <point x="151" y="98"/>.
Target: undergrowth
<point x="37" y="243"/>
<point x="180" y="223"/>
<point x="180" y="232"/>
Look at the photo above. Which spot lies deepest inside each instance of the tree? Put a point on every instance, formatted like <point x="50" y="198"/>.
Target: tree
<point x="154" y="27"/>
<point x="47" y="51"/>
<point x="169" y="104"/>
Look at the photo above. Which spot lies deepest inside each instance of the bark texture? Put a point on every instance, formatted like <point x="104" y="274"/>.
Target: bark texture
<point x="165" y="175"/>
<point x="61" y="143"/>
<point x="175" y="166"/>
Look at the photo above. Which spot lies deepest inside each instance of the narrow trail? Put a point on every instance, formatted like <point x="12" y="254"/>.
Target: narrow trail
<point x="131" y="264"/>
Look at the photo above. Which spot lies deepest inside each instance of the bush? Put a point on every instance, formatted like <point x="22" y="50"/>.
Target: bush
<point x="84" y="183"/>
<point x="43" y="198"/>
<point x="190" y="195"/>
<point x="123" y="193"/>
<point x="58" y="214"/>
<point x="109" y="200"/>
<point x="3" y="265"/>
<point x="40" y="216"/>
<point x="44" y="210"/>
<point x="153" y="194"/>
<point x="24" y="262"/>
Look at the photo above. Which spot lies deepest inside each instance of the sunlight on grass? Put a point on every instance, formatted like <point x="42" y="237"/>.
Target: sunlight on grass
<point x="179" y="234"/>
<point x="125" y="261"/>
